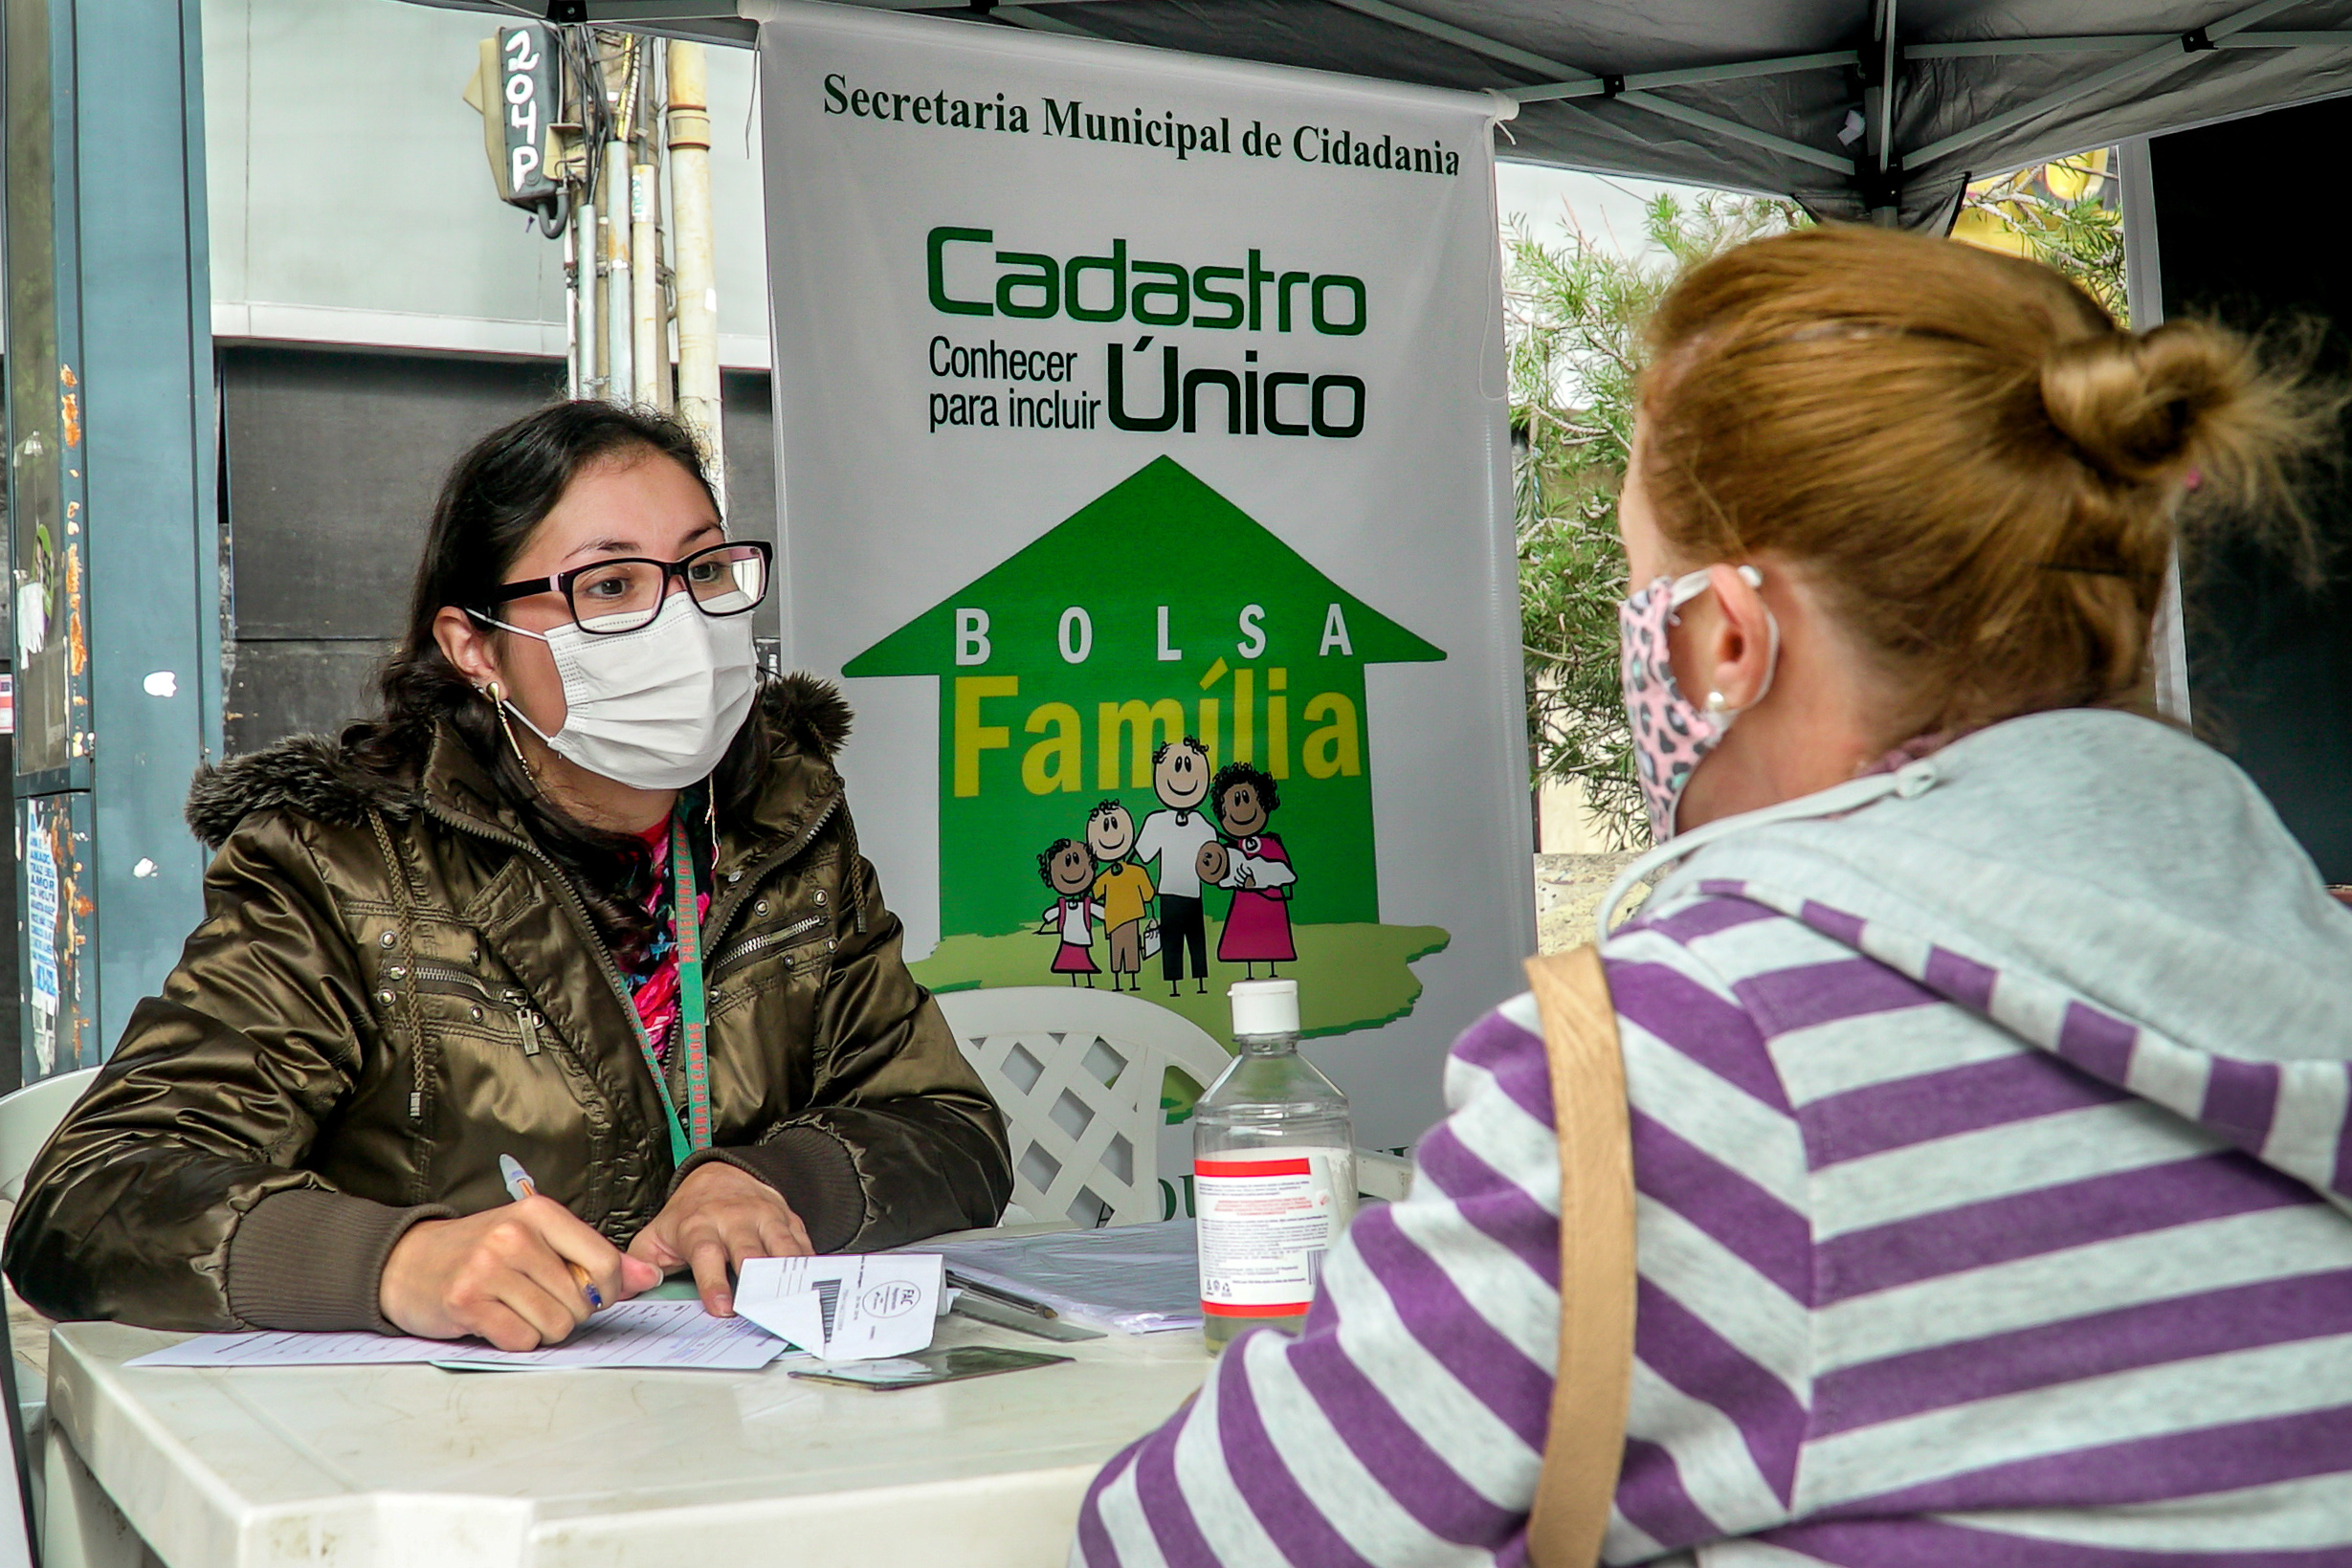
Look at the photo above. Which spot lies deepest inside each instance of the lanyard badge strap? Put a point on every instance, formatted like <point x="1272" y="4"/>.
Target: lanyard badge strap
<point x="691" y="1131"/>
<point x="692" y="1012"/>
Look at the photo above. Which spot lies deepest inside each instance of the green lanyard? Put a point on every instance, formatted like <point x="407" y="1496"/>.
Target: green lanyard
<point x="692" y="1131"/>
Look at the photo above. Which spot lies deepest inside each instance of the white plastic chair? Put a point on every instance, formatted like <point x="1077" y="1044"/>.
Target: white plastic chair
<point x="1077" y="1075"/>
<point x="26" y="1118"/>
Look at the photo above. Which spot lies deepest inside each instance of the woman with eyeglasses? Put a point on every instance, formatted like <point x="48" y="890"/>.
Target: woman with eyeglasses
<point x="584" y="898"/>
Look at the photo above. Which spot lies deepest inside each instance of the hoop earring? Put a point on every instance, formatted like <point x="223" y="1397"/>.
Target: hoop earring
<point x="497" y="699"/>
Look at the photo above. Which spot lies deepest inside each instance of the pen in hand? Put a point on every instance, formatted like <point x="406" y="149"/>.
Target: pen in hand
<point x="518" y="1187"/>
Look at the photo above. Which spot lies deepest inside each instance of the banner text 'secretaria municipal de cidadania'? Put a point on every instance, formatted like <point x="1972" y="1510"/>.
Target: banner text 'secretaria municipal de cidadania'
<point x="1336" y="145"/>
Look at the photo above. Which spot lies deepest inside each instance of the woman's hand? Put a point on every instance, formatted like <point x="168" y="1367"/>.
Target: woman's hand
<point x="504" y="1274"/>
<point x="718" y="1217"/>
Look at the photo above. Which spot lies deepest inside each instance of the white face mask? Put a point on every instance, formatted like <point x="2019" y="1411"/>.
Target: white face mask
<point x="654" y="708"/>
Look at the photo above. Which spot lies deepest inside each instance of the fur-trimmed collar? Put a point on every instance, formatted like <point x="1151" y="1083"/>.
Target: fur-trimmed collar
<point x="316" y="775"/>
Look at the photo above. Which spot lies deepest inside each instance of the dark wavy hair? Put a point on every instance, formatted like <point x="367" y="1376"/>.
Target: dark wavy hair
<point x="494" y="498"/>
<point x="1046" y="858"/>
<point x="1231" y="774"/>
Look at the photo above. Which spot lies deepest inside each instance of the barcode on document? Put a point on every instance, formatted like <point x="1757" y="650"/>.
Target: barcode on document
<point x="827" y="1300"/>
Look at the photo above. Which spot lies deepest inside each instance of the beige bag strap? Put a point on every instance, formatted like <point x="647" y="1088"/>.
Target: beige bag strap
<point x="1585" y="1444"/>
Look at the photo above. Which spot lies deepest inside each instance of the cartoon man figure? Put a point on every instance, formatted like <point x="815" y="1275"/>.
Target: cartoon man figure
<point x="1123" y="889"/>
<point x="1174" y="837"/>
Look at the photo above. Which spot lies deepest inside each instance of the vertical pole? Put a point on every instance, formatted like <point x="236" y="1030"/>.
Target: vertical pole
<point x="2143" y="297"/>
<point x="648" y="353"/>
<point x="1882" y="197"/>
<point x="698" y="293"/>
<point x="584" y="324"/>
<point x="620" y="336"/>
<point x="574" y="382"/>
<point x="113" y="532"/>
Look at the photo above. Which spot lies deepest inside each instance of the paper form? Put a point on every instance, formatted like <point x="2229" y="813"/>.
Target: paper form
<point x="643" y="1334"/>
<point x="1134" y="1278"/>
<point x="845" y="1308"/>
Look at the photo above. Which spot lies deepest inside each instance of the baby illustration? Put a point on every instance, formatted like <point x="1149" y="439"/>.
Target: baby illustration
<point x="1068" y="868"/>
<point x="1123" y="889"/>
<point x="1256" y="866"/>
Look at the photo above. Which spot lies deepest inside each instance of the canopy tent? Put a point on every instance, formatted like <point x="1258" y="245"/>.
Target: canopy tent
<point x="1790" y="97"/>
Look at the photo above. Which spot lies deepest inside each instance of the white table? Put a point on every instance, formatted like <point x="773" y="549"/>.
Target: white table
<point x="410" y="1466"/>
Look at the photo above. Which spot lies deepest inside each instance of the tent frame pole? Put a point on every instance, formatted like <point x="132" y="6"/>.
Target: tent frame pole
<point x="1641" y="81"/>
<point x="2170" y="52"/>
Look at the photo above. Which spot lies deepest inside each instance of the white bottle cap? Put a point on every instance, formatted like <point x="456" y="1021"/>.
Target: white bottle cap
<point x="1265" y="1006"/>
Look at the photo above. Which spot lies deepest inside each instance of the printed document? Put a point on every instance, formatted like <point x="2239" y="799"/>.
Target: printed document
<point x="657" y="1335"/>
<point x="845" y="1308"/>
<point x="1134" y="1278"/>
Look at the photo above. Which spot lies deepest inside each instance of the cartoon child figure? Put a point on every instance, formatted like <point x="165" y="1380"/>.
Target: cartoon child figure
<point x="1255" y="867"/>
<point x="1122" y="888"/>
<point x="1068" y="868"/>
<point x="1174" y="837"/>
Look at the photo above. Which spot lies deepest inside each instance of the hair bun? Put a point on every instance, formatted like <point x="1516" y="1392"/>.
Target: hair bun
<point x="2140" y="406"/>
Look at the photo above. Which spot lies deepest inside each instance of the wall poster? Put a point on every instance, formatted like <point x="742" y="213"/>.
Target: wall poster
<point x="1143" y="451"/>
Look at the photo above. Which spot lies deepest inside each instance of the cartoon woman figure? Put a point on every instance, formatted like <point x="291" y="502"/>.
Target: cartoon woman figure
<point x="1257" y="867"/>
<point x="1068" y="866"/>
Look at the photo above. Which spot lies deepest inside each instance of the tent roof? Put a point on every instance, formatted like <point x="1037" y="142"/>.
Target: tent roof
<point x="1779" y="96"/>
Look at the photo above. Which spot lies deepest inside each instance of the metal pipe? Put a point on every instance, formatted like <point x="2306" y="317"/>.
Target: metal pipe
<point x="2169" y="52"/>
<point x="1041" y="22"/>
<point x="620" y="335"/>
<point x="648" y="352"/>
<point x="1642" y="81"/>
<point x="698" y="293"/>
<point x="2103" y="43"/>
<point x="587" y="322"/>
<point x="1492" y="47"/>
<point x="1683" y="112"/>
<point x="572" y="379"/>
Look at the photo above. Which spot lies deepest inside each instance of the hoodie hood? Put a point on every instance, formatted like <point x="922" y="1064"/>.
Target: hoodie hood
<point x="2105" y="889"/>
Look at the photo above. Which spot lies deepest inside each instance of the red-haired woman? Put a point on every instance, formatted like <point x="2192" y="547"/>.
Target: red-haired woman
<point x="1983" y="1042"/>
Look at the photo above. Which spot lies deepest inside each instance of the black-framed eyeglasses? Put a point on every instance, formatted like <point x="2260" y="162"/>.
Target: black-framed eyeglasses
<point x="607" y="598"/>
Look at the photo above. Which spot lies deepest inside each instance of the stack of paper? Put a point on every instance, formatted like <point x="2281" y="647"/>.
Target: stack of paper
<point x="675" y="1335"/>
<point x="842" y="1309"/>
<point x="1135" y="1278"/>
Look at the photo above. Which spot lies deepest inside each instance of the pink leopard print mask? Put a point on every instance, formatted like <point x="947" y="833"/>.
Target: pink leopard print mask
<point x="1672" y="735"/>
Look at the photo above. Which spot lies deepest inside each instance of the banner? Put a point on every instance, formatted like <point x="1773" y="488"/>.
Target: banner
<point x="1145" y="463"/>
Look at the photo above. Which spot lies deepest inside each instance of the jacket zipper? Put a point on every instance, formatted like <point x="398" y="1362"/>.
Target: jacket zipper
<point x="766" y="939"/>
<point x="725" y="914"/>
<point x="526" y="1019"/>
<point x="563" y="884"/>
<point x="579" y="908"/>
<point x="454" y="977"/>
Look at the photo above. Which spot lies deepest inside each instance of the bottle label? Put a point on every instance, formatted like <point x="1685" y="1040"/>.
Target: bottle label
<point x="1265" y="1222"/>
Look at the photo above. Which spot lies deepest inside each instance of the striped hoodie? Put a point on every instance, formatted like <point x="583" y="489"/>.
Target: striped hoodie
<point x="1990" y="1157"/>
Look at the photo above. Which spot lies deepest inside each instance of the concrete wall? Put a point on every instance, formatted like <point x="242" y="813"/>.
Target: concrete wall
<point x="351" y="202"/>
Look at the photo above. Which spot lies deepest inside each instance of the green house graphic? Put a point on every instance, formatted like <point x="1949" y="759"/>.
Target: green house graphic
<point x="1157" y="611"/>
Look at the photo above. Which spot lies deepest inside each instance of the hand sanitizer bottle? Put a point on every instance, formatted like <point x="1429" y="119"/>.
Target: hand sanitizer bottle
<point x="1274" y="1171"/>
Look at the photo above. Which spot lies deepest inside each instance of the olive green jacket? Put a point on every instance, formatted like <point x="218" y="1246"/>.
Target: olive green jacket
<point x="342" y="1052"/>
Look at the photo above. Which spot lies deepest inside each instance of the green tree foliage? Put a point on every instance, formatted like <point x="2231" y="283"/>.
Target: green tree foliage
<point x="1574" y="315"/>
<point x="2065" y="214"/>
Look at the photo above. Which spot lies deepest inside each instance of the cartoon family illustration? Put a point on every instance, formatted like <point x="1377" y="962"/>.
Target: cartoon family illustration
<point x="1105" y="876"/>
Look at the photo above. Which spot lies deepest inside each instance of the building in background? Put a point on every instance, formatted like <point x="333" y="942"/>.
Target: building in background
<point x="375" y="307"/>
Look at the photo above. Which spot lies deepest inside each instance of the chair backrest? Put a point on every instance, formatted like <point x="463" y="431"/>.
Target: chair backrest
<point x="1077" y="1073"/>
<point x="26" y="1118"/>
